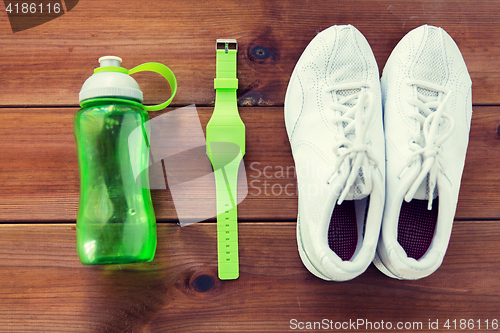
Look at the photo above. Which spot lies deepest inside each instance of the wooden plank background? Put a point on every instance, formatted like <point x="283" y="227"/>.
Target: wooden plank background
<point x="45" y="288"/>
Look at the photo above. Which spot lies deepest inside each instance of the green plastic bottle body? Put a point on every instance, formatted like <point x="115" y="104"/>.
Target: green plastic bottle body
<point x="116" y="222"/>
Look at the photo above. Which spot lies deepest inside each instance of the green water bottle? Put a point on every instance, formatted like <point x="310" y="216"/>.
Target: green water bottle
<point x="116" y="222"/>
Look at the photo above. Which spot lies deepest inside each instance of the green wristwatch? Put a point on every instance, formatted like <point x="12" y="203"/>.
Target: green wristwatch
<point x="225" y="148"/>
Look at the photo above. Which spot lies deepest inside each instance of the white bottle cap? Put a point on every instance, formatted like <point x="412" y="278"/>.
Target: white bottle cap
<point x="112" y="81"/>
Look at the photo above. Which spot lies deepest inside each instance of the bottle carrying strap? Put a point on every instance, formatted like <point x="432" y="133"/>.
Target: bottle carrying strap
<point x="163" y="71"/>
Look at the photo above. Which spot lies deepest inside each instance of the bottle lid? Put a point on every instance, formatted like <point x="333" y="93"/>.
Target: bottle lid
<point x="110" y="80"/>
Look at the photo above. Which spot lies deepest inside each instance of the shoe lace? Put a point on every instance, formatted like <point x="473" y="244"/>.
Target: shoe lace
<point x="355" y="108"/>
<point x="426" y="157"/>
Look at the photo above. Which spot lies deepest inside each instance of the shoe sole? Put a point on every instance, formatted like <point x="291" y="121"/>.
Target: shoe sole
<point x="305" y="259"/>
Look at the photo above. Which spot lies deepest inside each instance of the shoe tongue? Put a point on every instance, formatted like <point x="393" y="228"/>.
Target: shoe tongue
<point x="423" y="191"/>
<point x="346" y="93"/>
<point x="357" y="190"/>
<point x="427" y="92"/>
<point x="340" y="95"/>
<point x="430" y="95"/>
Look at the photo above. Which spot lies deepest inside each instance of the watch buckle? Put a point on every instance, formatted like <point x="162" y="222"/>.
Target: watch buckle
<point x="226" y="45"/>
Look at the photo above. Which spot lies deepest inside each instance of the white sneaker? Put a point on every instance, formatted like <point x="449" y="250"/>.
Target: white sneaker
<point x="333" y="116"/>
<point x="426" y="93"/>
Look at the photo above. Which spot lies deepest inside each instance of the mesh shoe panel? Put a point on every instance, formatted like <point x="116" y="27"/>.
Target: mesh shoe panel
<point x="430" y="65"/>
<point x="348" y="65"/>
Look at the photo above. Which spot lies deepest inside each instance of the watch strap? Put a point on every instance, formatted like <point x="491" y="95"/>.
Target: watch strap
<point x="226" y="147"/>
<point x="226" y="182"/>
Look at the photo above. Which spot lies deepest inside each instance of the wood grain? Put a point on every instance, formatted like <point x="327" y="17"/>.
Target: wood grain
<point x="39" y="170"/>
<point x="47" y="65"/>
<point x="44" y="287"/>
